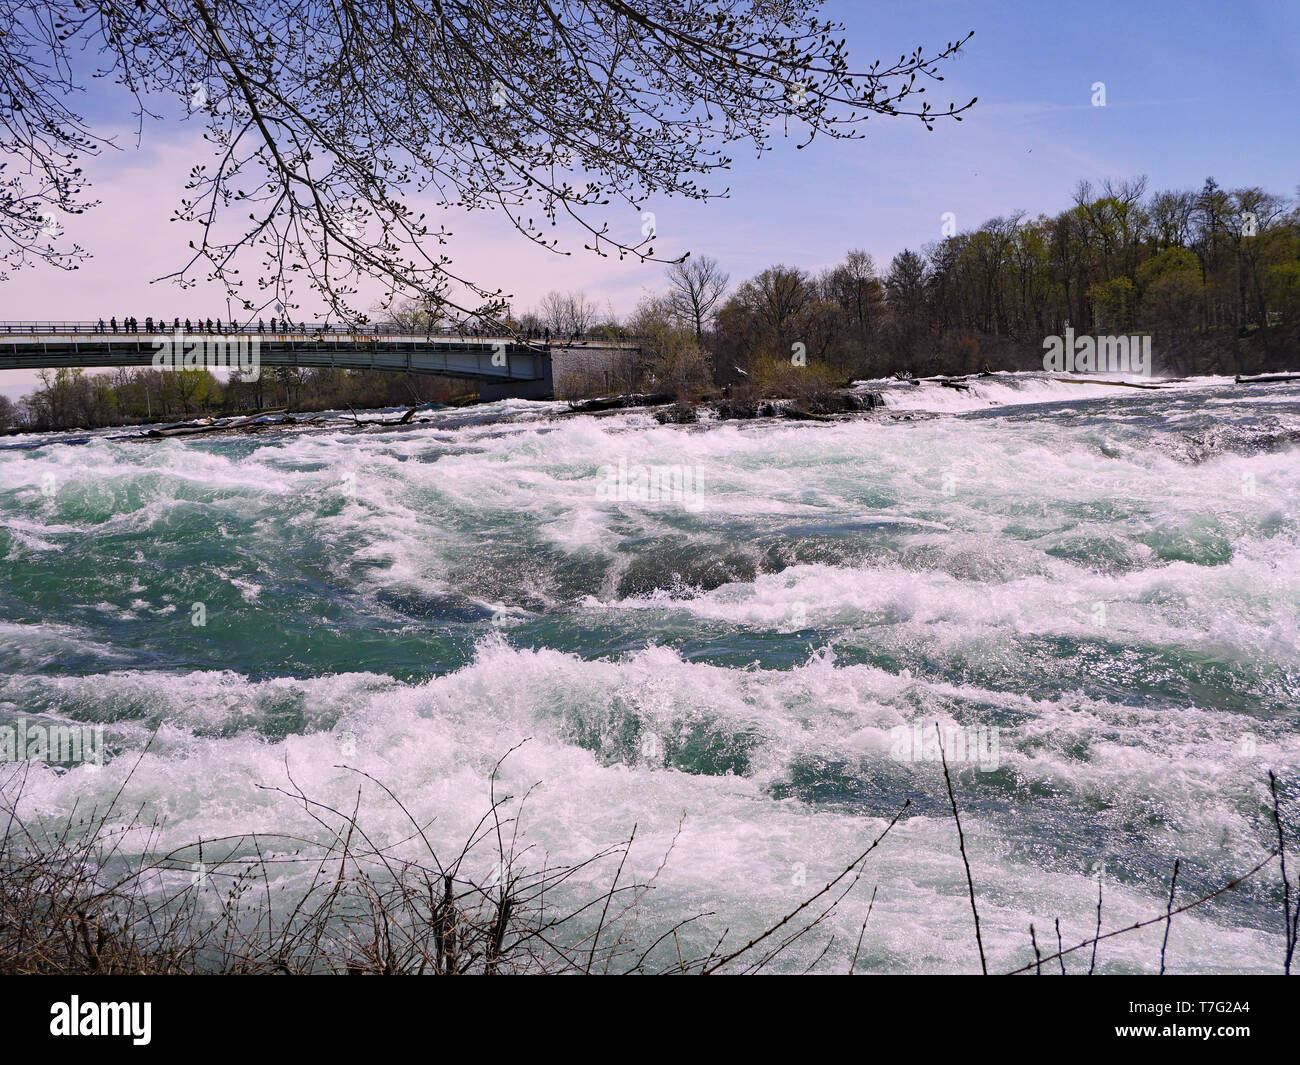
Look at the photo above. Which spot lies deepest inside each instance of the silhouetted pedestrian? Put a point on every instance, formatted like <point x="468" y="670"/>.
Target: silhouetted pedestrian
<point x="261" y="326"/>
<point x="148" y="324"/>
<point x="188" y="328"/>
<point x="100" y="327"/>
<point x="113" y="324"/>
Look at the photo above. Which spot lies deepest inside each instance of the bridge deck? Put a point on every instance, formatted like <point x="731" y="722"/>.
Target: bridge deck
<point x="479" y="359"/>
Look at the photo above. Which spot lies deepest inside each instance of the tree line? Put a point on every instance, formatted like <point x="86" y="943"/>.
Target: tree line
<point x="1213" y="275"/>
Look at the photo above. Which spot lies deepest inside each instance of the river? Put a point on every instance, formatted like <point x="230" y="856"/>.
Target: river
<point x="1098" y="587"/>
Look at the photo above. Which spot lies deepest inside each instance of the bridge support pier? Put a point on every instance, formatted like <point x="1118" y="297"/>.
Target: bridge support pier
<point x="490" y="391"/>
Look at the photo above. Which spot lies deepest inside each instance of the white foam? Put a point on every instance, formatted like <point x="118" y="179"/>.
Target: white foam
<point x="1019" y="388"/>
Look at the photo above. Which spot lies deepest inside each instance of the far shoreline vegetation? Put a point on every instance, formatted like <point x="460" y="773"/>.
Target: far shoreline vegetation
<point x="1213" y="276"/>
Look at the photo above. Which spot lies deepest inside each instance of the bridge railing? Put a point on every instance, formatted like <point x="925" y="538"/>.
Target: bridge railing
<point x="283" y="327"/>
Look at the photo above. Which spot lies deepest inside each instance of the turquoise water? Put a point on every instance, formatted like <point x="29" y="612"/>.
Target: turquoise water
<point x="1108" y="580"/>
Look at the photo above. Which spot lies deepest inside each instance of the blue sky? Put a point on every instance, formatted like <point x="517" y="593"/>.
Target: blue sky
<point x="1193" y="89"/>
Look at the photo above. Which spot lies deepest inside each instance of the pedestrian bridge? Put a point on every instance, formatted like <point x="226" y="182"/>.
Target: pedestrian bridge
<point x="506" y="365"/>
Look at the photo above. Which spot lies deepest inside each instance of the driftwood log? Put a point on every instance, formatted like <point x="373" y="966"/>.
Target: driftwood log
<point x="215" y="427"/>
<point x="1265" y="378"/>
<point x="1116" y="384"/>
<point x="405" y="419"/>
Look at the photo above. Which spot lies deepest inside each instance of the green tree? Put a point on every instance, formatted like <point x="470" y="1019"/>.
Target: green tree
<point x="1113" y="304"/>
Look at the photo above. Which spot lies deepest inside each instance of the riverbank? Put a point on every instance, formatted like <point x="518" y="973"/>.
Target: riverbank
<point x="899" y="397"/>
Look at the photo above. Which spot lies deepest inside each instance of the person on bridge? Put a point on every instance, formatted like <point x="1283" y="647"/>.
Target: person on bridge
<point x="187" y="326"/>
<point x="113" y="323"/>
<point x="148" y="324"/>
<point x="209" y="325"/>
<point x="100" y="328"/>
<point x="261" y="326"/>
<point x="176" y="325"/>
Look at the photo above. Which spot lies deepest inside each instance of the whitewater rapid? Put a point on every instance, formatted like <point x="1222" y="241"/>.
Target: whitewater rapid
<point x="1107" y="576"/>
